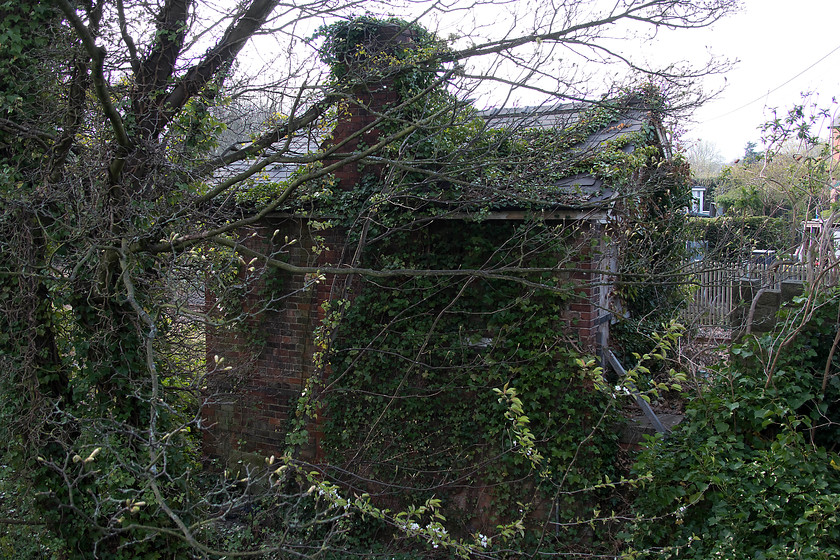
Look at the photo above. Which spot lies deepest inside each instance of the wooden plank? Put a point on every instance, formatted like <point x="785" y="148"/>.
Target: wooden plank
<point x="640" y="400"/>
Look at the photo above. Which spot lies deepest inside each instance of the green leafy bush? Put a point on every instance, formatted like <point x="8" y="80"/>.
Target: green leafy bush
<point x="729" y="237"/>
<point x="752" y="471"/>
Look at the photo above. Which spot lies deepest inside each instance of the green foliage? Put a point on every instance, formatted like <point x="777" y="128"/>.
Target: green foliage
<point x="751" y="155"/>
<point x="753" y="470"/>
<point x="29" y="541"/>
<point x="442" y="382"/>
<point x="196" y="129"/>
<point x="733" y="237"/>
<point x="317" y="189"/>
<point x="109" y="228"/>
<point x="650" y="235"/>
<point x="22" y="72"/>
<point x="791" y="182"/>
<point x="502" y="168"/>
<point x="98" y="367"/>
<point x="367" y="43"/>
<point x="520" y="431"/>
<point x="460" y="378"/>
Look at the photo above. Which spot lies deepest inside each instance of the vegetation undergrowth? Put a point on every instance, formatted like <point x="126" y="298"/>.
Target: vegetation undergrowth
<point x="753" y="470"/>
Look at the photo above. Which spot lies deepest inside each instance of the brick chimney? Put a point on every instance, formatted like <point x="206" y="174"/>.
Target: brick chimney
<point x="371" y="75"/>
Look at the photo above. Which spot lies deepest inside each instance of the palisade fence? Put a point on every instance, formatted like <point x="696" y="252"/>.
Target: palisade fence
<point x="714" y="296"/>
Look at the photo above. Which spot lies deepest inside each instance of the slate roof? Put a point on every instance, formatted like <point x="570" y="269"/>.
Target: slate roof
<point x="578" y="191"/>
<point x="562" y="115"/>
<point x="275" y="172"/>
<point x="582" y="190"/>
<point x="634" y="118"/>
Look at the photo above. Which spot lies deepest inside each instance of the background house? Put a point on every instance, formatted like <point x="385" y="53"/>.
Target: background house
<point x="701" y="203"/>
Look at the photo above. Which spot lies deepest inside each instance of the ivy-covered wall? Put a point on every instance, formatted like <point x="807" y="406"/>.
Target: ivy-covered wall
<point x="391" y="385"/>
<point x="285" y="311"/>
<point x="412" y="404"/>
<point x="458" y="370"/>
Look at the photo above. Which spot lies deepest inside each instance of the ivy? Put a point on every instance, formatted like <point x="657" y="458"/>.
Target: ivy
<point x="730" y="237"/>
<point x="442" y="382"/>
<point x="365" y="42"/>
<point x="752" y="471"/>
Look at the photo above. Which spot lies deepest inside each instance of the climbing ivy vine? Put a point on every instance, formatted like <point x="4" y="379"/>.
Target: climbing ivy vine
<point x="424" y="369"/>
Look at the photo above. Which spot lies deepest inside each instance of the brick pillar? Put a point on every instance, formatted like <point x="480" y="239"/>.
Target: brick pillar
<point x="584" y="312"/>
<point x="250" y="408"/>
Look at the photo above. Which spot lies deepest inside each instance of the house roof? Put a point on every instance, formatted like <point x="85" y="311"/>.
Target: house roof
<point x="587" y="189"/>
<point x="298" y="147"/>
<point x="561" y="115"/>
<point x="634" y="117"/>
<point x="556" y="184"/>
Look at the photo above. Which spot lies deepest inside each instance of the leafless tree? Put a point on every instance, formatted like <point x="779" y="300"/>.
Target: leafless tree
<point x="706" y="161"/>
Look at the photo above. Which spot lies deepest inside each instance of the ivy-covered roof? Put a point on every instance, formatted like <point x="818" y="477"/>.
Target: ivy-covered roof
<point x="632" y="118"/>
<point x="448" y="157"/>
<point x="566" y="156"/>
<point x="583" y="153"/>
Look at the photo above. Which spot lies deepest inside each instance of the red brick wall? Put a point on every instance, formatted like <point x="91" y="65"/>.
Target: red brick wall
<point x="249" y="406"/>
<point x="588" y="314"/>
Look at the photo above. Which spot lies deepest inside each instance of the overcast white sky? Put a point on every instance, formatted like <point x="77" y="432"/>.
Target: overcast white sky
<point x="775" y="41"/>
<point x="782" y="48"/>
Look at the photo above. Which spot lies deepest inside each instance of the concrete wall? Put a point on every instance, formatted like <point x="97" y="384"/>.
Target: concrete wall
<point x="768" y="304"/>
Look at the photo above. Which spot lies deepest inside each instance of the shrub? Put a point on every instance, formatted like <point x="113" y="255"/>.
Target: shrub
<point x="752" y="471"/>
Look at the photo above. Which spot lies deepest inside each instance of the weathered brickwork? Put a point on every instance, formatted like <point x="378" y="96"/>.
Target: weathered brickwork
<point x="250" y="406"/>
<point x="272" y="354"/>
